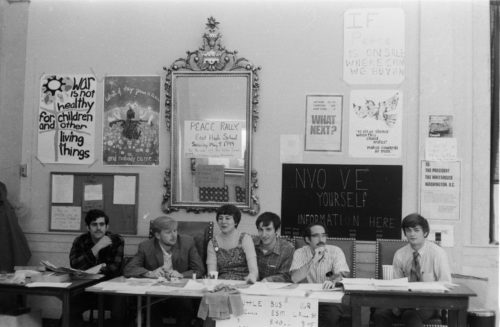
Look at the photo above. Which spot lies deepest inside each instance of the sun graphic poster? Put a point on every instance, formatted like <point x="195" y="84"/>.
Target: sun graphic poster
<point x="66" y="119"/>
<point x="131" y="120"/>
<point x="375" y="123"/>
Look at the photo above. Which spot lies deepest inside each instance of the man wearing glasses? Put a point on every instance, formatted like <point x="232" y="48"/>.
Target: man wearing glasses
<point x="318" y="262"/>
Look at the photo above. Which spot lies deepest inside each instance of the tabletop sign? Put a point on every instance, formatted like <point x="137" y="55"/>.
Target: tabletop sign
<point x="276" y="311"/>
<point x="358" y="201"/>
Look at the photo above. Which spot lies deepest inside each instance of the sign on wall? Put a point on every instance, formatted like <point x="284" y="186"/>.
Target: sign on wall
<point x="131" y="120"/>
<point x="359" y="201"/>
<point x="375" y="123"/>
<point x="323" y="123"/>
<point x="374" y="46"/>
<point x="66" y="119"/>
<point x="212" y="138"/>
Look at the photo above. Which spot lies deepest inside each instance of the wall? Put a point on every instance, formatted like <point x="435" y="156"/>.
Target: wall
<point x="299" y="46"/>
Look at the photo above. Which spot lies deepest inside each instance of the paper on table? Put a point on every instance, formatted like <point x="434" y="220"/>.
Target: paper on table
<point x="48" y="284"/>
<point x="333" y="297"/>
<point x="94" y="270"/>
<point x="427" y="287"/>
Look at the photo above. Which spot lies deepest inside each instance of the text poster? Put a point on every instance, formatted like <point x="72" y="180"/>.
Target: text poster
<point x="324" y="122"/>
<point x="124" y="189"/>
<point x="212" y="138"/>
<point x="131" y="120"/>
<point x="440" y="190"/>
<point x="65" y="217"/>
<point x="66" y="119"/>
<point x="441" y="149"/>
<point x="62" y="189"/>
<point x="374" y="46"/>
<point x="375" y="125"/>
<point x="358" y="201"/>
<point x="276" y="311"/>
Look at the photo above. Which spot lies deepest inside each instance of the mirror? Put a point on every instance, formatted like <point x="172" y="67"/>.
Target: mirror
<point x="210" y="99"/>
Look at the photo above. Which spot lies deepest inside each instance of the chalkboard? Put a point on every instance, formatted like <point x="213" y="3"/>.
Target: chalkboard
<point x="72" y="195"/>
<point x="358" y="201"/>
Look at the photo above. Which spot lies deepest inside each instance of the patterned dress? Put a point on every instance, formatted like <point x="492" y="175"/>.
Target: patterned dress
<point x="232" y="263"/>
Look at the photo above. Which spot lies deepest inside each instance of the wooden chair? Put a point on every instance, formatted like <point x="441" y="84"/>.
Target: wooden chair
<point x="347" y="245"/>
<point x="384" y="254"/>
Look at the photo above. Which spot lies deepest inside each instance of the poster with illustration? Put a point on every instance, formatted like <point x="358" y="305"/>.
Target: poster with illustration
<point x="131" y="120"/>
<point x="375" y="123"/>
<point x="66" y="119"/>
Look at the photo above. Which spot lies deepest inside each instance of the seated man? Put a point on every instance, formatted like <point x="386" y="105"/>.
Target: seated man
<point x="318" y="262"/>
<point x="274" y="255"/>
<point x="168" y="255"/>
<point x="97" y="247"/>
<point x="420" y="261"/>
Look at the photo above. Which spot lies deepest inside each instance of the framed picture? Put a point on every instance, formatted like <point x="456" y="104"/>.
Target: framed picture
<point x="323" y="123"/>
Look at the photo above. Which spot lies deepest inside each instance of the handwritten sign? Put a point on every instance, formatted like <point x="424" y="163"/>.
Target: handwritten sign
<point x="374" y="46"/>
<point x="65" y="217"/>
<point x="440" y="190"/>
<point x="324" y="122"/>
<point x="359" y="201"/>
<point x="210" y="138"/>
<point x="276" y="311"/>
<point x="66" y="119"/>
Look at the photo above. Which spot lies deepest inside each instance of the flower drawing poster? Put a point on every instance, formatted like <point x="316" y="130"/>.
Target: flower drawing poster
<point x="66" y="119"/>
<point x="375" y="123"/>
<point x="131" y="120"/>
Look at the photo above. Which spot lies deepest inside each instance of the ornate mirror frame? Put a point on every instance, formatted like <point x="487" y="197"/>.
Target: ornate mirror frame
<point x="212" y="59"/>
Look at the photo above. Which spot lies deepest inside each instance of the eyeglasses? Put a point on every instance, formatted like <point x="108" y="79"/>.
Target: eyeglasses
<point x="319" y="235"/>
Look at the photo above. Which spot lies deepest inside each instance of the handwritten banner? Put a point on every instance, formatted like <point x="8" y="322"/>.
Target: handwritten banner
<point x="277" y="311"/>
<point x="131" y="120"/>
<point x="359" y="201"/>
<point x="374" y="46"/>
<point x="211" y="138"/>
<point x="66" y="119"/>
<point x="323" y="122"/>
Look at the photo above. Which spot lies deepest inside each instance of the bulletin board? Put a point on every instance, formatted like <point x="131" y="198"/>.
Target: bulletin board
<point x="356" y="201"/>
<point x="72" y="195"/>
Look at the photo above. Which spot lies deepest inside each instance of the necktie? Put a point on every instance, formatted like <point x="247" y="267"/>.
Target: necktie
<point x="416" y="271"/>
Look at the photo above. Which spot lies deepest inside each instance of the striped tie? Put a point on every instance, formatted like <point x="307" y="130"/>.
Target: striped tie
<point x="416" y="271"/>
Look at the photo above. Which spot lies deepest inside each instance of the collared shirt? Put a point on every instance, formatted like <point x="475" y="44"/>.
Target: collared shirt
<point x="334" y="260"/>
<point x="274" y="265"/>
<point x="81" y="256"/>
<point x="167" y="259"/>
<point x="433" y="263"/>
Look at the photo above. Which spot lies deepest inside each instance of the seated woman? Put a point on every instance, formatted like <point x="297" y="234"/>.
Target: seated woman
<point x="231" y="253"/>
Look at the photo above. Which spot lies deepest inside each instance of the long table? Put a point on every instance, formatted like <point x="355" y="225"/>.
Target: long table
<point x="63" y="293"/>
<point x="456" y="301"/>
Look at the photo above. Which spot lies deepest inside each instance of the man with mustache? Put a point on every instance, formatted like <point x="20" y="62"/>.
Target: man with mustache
<point x="97" y="247"/>
<point x="318" y="262"/>
<point x="274" y="255"/>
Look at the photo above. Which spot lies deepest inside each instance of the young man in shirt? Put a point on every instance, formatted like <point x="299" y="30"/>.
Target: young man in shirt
<point x="168" y="255"/>
<point x="98" y="247"/>
<point x="274" y="255"/>
<point x="420" y="261"/>
<point x="318" y="262"/>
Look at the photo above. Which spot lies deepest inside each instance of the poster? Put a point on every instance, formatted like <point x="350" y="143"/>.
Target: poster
<point x="375" y="123"/>
<point x="374" y="46"/>
<point x="66" y="119"/>
<point x="260" y="310"/>
<point x="131" y="120"/>
<point x="65" y="218"/>
<point x="213" y="138"/>
<point x="440" y="126"/>
<point x="323" y="122"/>
<point x="440" y="190"/>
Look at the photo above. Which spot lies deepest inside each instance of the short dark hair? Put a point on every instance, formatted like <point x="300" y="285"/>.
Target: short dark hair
<point x="229" y="209"/>
<point x="414" y="220"/>
<point x="307" y="230"/>
<point x="268" y="217"/>
<point x="94" y="214"/>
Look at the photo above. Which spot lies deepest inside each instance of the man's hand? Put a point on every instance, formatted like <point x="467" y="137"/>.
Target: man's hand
<point x="174" y="274"/>
<point x="319" y="253"/>
<point x="250" y="279"/>
<point x="101" y="244"/>
<point x="157" y="273"/>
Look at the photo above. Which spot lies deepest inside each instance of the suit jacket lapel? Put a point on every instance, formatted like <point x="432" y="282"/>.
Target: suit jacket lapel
<point x="158" y="253"/>
<point x="176" y="254"/>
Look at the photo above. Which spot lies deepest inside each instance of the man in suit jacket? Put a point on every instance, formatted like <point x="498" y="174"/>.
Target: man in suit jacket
<point x="169" y="255"/>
